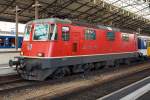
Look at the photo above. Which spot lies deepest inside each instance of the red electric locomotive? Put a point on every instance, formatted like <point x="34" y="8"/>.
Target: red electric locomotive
<point x="55" y="47"/>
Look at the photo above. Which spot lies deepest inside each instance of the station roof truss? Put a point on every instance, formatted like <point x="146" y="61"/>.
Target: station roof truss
<point x="127" y="14"/>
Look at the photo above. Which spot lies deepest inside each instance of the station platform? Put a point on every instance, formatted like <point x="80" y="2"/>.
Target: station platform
<point x="5" y="56"/>
<point x="11" y="50"/>
<point x="6" y="70"/>
<point x="137" y="91"/>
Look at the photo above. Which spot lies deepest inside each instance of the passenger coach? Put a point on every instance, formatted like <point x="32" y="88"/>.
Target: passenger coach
<point x="7" y="42"/>
<point x="144" y="45"/>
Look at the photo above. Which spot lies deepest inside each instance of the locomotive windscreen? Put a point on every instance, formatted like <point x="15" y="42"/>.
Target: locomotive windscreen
<point x="45" y="32"/>
<point x="41" y="32"/>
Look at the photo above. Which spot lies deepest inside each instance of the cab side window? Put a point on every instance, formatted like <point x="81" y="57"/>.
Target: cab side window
<point x="110" y="35"/>
<point x="90" y="34"/>
<point x="65" y="33"/>
<point x="125" y="36"/>
<point x="28" y="29"/>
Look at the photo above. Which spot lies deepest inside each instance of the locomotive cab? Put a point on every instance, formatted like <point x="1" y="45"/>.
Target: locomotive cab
<point x="38" y="39"/>
<point x="39" y="47"/>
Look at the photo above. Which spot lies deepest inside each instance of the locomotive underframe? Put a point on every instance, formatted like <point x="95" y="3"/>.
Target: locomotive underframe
<point x="41" y="68"/>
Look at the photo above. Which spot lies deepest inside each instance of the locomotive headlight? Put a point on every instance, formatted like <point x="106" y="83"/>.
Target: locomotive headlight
<point x="40" y="54"/>
<point x="21" y="53"/>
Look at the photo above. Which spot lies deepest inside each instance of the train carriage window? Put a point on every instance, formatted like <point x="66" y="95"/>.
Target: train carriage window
<point x="125" y="36"/>
<point x="1" y="42"/>
<point x="65" y="33"/>
<point x="90" y="34"/>
<point x="12" y="42"/>
<point x="110" y="35"/>
<point x="27" y="32"/>
<point x="148" y="44"/>
<point x="7" y="42"/>
<point x="139" y="43"/>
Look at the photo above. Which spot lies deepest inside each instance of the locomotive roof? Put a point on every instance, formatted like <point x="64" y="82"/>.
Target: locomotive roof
<point x="67" y="21"/>
<point x="54" y="20"/>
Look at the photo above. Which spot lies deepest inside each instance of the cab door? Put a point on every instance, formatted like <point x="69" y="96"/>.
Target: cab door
<point x="66" y="42"/>
<point x="70" y="40"/>
<point x="148" y="48"/>
<point x="75" y="40"/>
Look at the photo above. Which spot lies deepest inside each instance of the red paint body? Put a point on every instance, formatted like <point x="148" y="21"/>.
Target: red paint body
<point x="59" y="48"/>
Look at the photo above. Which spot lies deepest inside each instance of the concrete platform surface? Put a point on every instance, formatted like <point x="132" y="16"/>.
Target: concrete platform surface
<point x="9" y="50"/>
<point x="5" y="57"/>
<point x="136" y="91"/>
<point x="6" y="70"/>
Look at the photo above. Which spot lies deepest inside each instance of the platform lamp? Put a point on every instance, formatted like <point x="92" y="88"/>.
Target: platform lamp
<point x="36" y="5"/>
<point x="16" y="38"/>
<point x="138" y="31"/>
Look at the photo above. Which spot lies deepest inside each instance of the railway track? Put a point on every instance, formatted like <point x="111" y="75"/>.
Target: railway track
<point x="56" y="88"/>
<point x="98" y="91"/>
<point x="14" y="84"/>
<point x="7" y="77"/>
<point x="12" y="81"/>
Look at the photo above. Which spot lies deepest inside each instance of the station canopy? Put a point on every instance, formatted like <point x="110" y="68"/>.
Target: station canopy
<point x="127" y="14"/>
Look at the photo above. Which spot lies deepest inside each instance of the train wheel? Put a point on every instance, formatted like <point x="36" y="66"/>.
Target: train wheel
<point x="98" y="65"/>
<point x="88" y="67"/>
<point x="91" y="65"/>
<point x="127" y="62"/>
<point x="60" y="73"/>
<point x="117" y="63"/>
<point x="68" y="71"/>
